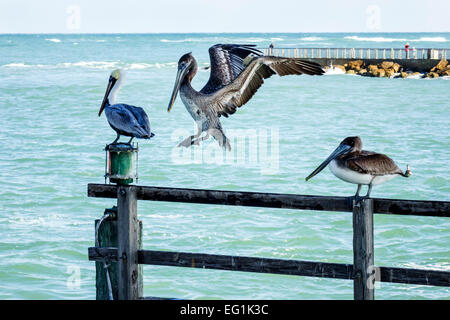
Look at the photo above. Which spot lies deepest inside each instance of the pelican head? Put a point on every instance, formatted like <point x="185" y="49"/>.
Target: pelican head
<point x="113" y="79"/>
<point x="187" y="68"/>
<point x="348" y="145"/>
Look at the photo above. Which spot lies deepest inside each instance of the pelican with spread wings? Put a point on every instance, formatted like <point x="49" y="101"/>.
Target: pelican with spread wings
<point x="237" y="72"/>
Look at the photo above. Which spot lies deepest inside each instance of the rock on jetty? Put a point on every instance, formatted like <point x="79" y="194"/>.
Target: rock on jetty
<point x="440" y="70"/>
<point x="391" y="69"/>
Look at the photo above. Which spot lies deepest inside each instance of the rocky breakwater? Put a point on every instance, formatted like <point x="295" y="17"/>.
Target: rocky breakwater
<point x="442" y="69"/>
<point x="391" y="69"/>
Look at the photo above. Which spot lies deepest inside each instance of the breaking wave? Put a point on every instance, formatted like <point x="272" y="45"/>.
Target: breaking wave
<point x="222" y="40"/>
<point x="16" y="65"/>
<point x="312" y="39"/>
<point x="431" y="39"/>
<point x="93" y="65"/>
<point x="181" y="40"/>
<point x="334" y="71"/>
<point x="55" y="40"/>
<point x="375" y="39"/>
<point x="383" y="39"/>
<point x="88" y="64"/>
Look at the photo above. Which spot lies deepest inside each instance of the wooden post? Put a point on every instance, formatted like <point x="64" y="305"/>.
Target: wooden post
<point x="129" y="230"/>
<point x="363" y="250"/>
<point x="107" y="235"/>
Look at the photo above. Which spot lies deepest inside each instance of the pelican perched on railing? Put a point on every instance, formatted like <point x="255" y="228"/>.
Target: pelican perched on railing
<point x="126" y="120"/>
<point x="237" y="71"/>
<point x="352" y="164"/>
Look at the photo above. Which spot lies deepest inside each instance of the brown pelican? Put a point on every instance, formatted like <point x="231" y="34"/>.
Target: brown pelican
<point x="126" y="120"/>
<point x="237" y="71"/>
<point x="352" y="164"/>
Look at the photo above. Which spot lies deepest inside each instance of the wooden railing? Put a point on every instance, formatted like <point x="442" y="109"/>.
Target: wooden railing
<point x="121" y="243"/>
<point x="358" y="53"/>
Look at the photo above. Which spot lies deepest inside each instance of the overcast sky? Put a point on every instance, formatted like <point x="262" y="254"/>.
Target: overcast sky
<point x="178" y="16"/>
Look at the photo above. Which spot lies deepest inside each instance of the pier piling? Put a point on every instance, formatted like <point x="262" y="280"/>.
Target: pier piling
<point x="129" y="242"/>
<point x="363" y="250"/>
<point x="107" y="234"/>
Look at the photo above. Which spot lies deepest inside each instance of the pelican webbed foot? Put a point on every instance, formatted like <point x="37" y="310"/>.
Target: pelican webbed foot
<point x="186" y="142"/>
<point x="358" y="198"/>
<point x="189" y="141"/>
<point x="197" y="141"/>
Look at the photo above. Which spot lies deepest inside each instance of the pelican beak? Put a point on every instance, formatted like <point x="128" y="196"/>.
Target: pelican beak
<point x="111" y="83"/>
<point x="343" y="148"/>
<point x="182" y="70"/>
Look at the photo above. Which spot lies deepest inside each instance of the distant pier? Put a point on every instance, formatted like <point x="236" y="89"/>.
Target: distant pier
<point x="417" y="59"/>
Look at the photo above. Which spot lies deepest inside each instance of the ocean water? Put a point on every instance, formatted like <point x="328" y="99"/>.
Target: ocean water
<point x="51" y="141"/>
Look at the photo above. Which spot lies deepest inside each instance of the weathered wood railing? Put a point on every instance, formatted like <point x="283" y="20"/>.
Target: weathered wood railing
<point x="358" y="53"/>
<point x="121" y="244"/>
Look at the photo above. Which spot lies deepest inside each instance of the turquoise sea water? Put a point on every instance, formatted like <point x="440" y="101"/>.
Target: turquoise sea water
<point x="51" y="142"/>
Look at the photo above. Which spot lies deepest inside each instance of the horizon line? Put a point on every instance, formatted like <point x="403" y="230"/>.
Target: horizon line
<point x="244" y="32"/>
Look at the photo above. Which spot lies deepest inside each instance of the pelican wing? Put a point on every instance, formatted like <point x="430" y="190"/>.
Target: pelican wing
<point x="140" y="116"/>
<point x="368" y="162"/>
<point x="242" y="89"/>
<point x="123" y="118"/>
<point x="227" y="62"/>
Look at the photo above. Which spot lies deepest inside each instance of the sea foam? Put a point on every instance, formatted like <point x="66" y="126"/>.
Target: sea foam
<point x="383" y="39"/>
<point x="431" y="39"/>
<point x="16" y="65"/>
<point x="334" y="71"/>
<point x="94" y="65"/>
<point x="375" y="39"/>
<point x="312" y="38"/>
<point x="54" y="40"/>
<point x="184" y="40"/>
